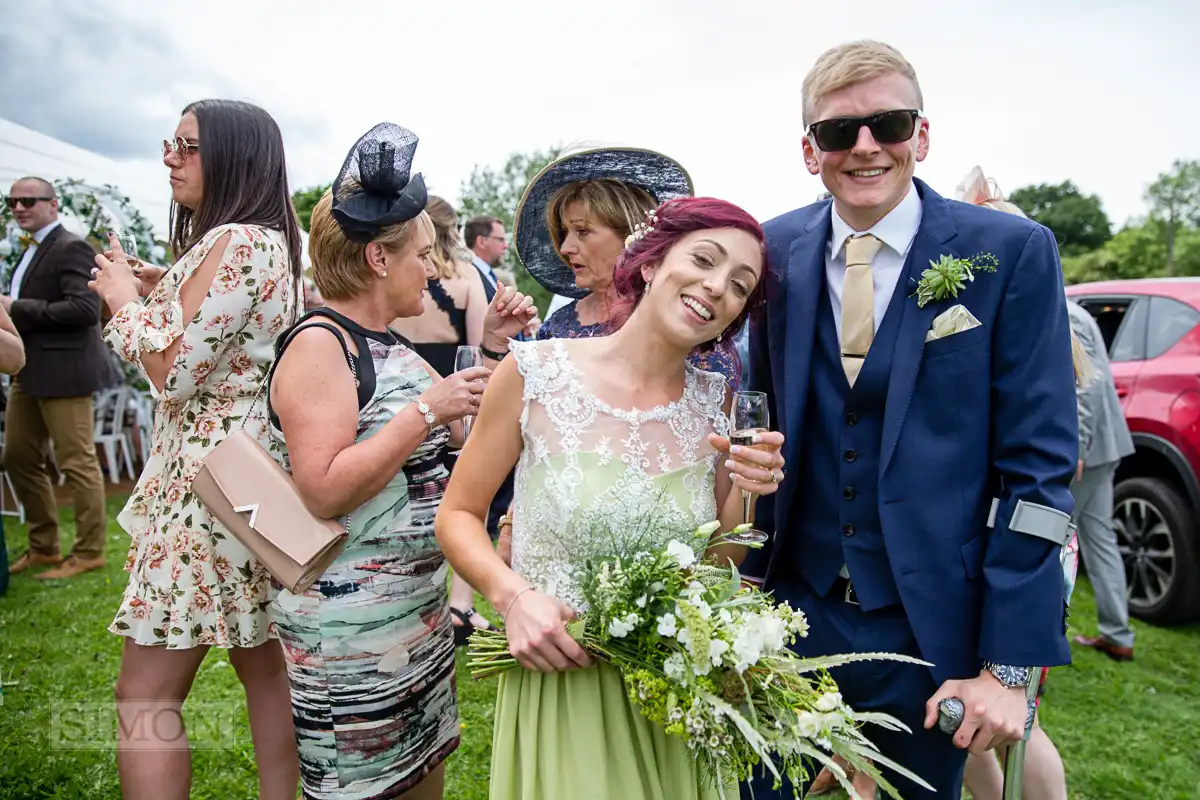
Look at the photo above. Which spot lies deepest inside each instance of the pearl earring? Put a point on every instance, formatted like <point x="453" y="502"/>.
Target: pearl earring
<point x="385" y="273"/>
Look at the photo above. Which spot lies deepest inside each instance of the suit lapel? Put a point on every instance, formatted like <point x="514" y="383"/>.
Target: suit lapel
<point x="805" y="281"/>
<point x="937" y="227"/>
<point x="39" y="255"/>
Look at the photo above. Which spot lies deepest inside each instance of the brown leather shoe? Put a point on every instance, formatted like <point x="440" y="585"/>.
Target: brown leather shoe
<point x="1114" y="651"/>
<point x="31" y="559"/>
<point x="74" y="565"/>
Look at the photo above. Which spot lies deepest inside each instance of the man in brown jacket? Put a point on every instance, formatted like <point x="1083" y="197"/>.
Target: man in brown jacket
<point x="66" y="361"/>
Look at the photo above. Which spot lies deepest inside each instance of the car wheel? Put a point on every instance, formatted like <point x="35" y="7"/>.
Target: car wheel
<point x="1156" y="532"/>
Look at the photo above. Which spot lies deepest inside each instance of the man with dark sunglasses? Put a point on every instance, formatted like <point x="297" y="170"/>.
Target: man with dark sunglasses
<point x="50" y="400"/>
<point x="936" y="435"/>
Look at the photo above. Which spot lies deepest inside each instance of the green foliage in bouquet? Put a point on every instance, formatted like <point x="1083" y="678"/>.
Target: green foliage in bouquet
<point x="707" y="658"/>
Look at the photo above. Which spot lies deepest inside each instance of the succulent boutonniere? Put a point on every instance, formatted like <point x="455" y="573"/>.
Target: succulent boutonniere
<point x="947" y="276"/>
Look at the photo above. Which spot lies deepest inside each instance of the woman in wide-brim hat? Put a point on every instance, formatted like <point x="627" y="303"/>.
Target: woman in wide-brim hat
<point x="571" y="226"/>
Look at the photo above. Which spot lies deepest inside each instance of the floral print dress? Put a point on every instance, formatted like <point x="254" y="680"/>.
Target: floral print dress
<point x="191" y="582"/>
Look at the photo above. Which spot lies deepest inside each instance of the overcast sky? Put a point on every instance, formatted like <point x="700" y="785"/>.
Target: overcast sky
<point x="1101" y="92"/>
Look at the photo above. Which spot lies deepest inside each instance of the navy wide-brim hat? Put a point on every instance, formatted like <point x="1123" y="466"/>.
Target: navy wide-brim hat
<point x="662" y="177"/>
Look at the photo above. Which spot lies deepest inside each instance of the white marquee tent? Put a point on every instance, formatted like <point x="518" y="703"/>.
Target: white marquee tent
<point x="24" y="151"/>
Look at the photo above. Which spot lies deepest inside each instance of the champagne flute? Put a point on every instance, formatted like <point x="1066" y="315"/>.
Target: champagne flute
<point x="465" y="358"/>
<point x="747" y="418"/>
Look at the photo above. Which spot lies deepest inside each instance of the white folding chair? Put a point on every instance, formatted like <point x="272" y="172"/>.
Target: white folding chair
<point x="110" y="430"/>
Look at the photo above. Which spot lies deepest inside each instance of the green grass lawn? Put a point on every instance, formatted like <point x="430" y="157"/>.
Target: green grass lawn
<point x="1124" y="730"/>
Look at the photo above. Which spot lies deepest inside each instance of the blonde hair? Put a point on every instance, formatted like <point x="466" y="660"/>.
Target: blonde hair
<point x="608" y="201"/>
<point x="850" y="64"/>
<point x="339" y="265"/>
<point x="1084" y="371"/>
<point x="447" y="247"/>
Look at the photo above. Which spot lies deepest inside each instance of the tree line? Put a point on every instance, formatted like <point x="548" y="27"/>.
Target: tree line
<point x="1165" y="242"/>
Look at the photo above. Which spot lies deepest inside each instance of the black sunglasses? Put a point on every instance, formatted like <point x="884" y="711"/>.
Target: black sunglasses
<point x="26" y="202"/>
<point x="841" y="133"/>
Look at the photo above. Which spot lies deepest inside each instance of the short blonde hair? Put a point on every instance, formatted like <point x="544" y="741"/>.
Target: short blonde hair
<point x="608" y="201"/>
<point x="339" y="265"/>
<point x="853" y="63"/>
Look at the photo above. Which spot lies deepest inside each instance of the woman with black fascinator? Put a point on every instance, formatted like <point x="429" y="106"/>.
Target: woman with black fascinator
<point x="364" y="424"/>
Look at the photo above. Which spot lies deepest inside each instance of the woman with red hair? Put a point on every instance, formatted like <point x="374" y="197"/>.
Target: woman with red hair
<point x="607" y="432"/>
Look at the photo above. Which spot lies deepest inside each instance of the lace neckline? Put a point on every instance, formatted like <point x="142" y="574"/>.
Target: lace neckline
<point x="635" y="414"/>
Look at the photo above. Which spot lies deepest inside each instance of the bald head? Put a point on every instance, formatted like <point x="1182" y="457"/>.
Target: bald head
<point x="39" y="195"/>
<point x="39" y="186"/>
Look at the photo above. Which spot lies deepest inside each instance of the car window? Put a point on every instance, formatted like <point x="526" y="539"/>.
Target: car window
<point x="1122" y="323"/>
<point x="1170" y="321"/>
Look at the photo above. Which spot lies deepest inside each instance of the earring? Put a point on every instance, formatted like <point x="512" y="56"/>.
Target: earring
<point x="720" y="336"/>
<point x="385" y="273"/>
<point x="647" y="289"/>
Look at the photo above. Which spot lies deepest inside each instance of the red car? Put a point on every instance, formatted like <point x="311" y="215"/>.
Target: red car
<point x="1152" y="328"/>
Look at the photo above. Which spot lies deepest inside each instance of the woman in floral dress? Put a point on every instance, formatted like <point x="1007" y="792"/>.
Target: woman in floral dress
<point x="203" y="339"/>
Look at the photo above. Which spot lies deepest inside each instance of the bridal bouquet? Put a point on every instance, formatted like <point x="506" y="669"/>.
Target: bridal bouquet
<point x="706" y="657"/>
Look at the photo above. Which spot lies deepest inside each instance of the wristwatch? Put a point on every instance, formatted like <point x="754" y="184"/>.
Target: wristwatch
<point x="427" y="413"/>
<point x="1010" y="676"/>
<point x="505" y="521"/>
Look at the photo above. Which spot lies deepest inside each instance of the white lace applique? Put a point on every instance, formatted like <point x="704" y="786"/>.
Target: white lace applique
<point x="664" y="459"/>
<point x="565" y="487"/>
<point x="604" y="451"/>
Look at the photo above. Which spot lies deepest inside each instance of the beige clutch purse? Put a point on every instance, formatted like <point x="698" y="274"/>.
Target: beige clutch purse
<point x="250" y="494"/>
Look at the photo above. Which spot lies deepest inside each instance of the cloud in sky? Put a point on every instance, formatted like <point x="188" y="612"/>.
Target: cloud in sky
<point x="1096" y="91"/>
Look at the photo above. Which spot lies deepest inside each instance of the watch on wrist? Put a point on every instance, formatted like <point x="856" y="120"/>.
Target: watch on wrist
<point x="505" y="521"/>
<point x="427" y="413"/>
<point x="1010" y="676"/>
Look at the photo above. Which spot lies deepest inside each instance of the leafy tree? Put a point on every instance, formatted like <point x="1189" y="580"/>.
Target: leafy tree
<point x="496" y="192"/>
<point x="305" y="200"/>
<point x="1077" y="220"/>
<point x="1174" y="198"/>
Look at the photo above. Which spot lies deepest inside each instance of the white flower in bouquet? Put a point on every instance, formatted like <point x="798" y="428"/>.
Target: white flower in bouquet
<point x="668" y="624"/>
<point x="830" y="701"/>
<point x="621" y="627"/>
<point x="683" y="555"/>
<point x="674" y="666"/>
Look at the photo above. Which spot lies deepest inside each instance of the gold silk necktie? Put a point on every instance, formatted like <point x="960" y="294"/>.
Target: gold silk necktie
<point x="858" y="303"/>
<point x="25" y="241"/>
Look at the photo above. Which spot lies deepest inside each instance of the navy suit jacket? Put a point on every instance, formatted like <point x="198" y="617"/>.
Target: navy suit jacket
<point x="986" y="413"/>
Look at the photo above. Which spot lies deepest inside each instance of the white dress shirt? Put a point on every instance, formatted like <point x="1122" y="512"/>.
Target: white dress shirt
<point x="897" y="231"/>
<point x="488" y="274"/>
<point x="27" y="259"/>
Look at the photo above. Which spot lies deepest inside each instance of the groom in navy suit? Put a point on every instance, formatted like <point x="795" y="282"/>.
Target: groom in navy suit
<point x="932" y="445"/>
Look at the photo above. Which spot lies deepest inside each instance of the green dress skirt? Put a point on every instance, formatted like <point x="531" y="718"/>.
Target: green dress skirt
<point x="576" y="735"/>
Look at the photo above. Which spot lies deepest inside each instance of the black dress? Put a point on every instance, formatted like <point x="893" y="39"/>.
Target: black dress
<point x="440" y="355"/>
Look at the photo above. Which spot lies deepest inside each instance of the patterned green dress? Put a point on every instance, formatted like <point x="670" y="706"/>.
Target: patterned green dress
<point x="370" y="650"/>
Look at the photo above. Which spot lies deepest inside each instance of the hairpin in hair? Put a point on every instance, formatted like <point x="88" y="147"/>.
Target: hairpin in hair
<point x="641" y="229"/>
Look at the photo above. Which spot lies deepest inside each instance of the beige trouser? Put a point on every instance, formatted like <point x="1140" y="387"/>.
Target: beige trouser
<point x="30" y="424"/>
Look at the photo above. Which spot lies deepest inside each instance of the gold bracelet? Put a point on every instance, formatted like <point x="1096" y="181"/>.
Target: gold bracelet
<point x="513" y="602"/>
<point x="505" y="521"/>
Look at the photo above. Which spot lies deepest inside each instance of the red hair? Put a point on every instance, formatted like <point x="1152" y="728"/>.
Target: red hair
<point x="676" y="219"/>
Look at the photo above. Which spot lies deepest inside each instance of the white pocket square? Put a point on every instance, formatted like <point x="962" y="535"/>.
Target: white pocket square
<point x="951" y="321"/>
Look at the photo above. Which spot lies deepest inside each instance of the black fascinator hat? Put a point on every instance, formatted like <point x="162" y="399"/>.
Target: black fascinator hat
<point x="374" y="189"/>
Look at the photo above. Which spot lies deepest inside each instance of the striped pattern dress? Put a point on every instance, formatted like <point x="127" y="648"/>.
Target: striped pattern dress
<point x="370" y="649"/>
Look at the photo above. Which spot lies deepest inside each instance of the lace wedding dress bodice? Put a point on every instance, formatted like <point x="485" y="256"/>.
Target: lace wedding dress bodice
<point x="589" y="467"/>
